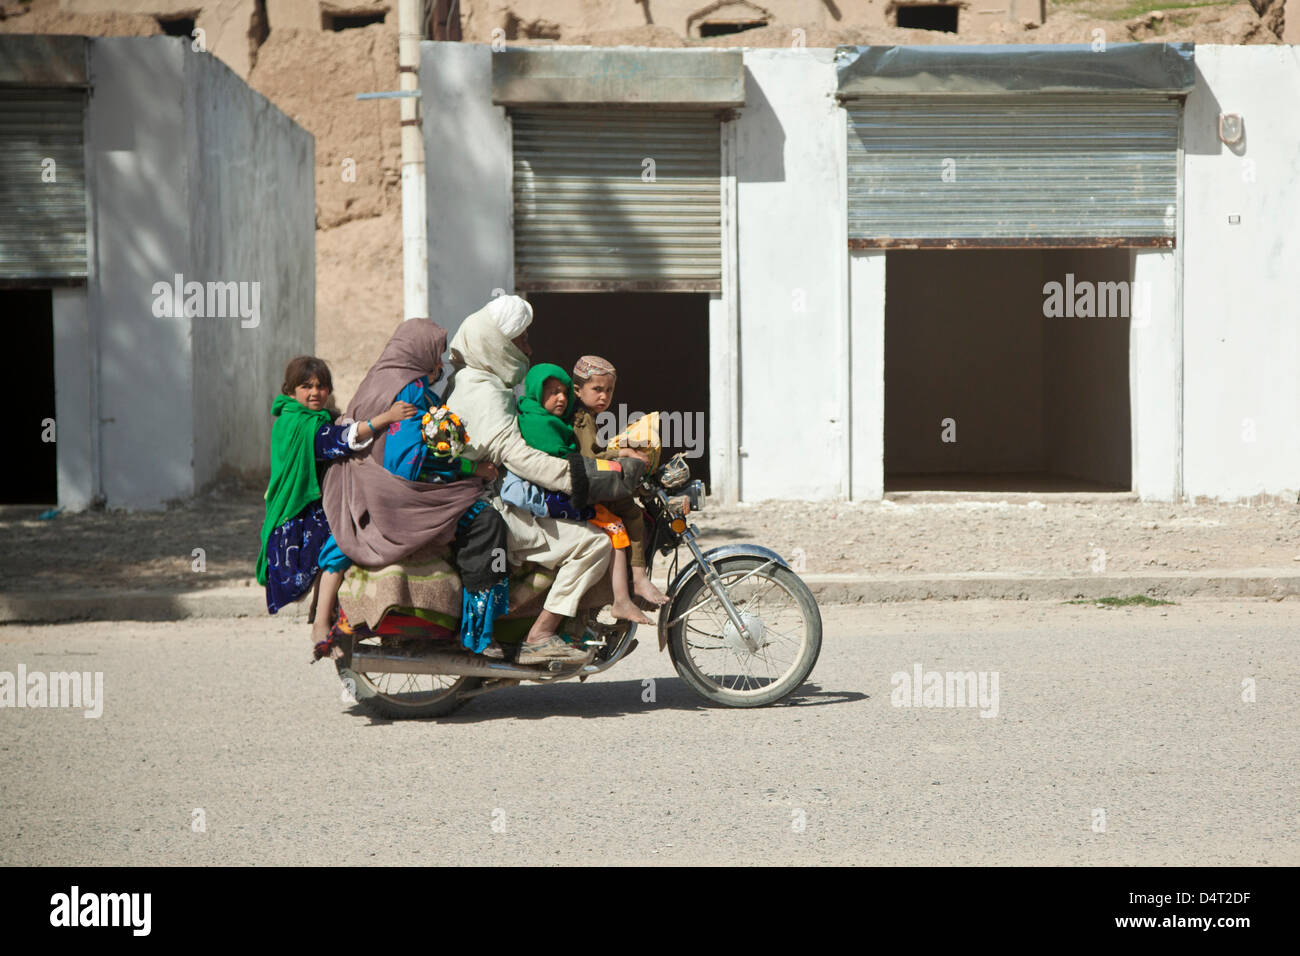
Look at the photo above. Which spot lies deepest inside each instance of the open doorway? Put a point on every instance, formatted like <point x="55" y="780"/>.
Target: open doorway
<point x="32" y="475"/>
<point x="995" y="382"/>
<point x="658" y="341"/>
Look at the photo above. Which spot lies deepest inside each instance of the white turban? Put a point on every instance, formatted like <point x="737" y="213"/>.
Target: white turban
<point x="511" y="313"/>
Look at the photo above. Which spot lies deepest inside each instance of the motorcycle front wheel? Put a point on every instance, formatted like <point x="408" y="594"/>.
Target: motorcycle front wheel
<point x="404" y="696"/>
<point x="784" y="624"/>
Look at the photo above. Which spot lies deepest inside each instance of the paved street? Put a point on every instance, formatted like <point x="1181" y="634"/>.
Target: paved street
<point x="1126" y="720"/>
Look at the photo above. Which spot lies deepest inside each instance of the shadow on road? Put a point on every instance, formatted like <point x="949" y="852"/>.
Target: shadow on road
<point x="606" y="699"/>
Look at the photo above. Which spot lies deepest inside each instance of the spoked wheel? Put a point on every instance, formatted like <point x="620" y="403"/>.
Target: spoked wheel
<point x="784" y="625"/>
<point x="404" y="696"/>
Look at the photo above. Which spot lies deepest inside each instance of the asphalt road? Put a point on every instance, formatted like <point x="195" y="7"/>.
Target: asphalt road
<point x="1136" y="713"/>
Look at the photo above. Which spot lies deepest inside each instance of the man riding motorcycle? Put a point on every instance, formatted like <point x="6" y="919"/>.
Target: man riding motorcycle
<point x="490" y="355"/>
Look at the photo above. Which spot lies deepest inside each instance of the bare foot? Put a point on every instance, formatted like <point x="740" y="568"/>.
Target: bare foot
<point x="320" y="630"/>
<point x="646" y="590"/>
<point x="627" y="611"/>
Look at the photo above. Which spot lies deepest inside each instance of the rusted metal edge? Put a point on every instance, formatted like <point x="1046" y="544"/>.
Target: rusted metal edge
<point x="956" y="96"/>
<point x="41" y="282"/>
<point x="25" y="85"/>
<point x="723" y="114"/>
<point x="1088" y="242"/>
<point x="618" y="285"/>
<point x="1156" y="68"/>
<point x="44" y="61"/>
<point x="530" y="76"/>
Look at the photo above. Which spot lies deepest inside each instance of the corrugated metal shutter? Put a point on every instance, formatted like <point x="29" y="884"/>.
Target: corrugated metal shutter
<point x="42" y="223"/>
<point x="1054" y="170"/>
<point x="588" y="217"/>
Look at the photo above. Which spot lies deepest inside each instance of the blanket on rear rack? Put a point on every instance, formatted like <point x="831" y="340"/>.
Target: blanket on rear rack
<point x="425" y="585"/>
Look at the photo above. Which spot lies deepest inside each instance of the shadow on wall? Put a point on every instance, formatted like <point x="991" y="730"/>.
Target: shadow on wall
<point x="182" y="188"/>
<point x="467" y="218"/>
<point x="141" y="237"/>
<point x="1201" y="121"/>
<point x="760" y="140"/>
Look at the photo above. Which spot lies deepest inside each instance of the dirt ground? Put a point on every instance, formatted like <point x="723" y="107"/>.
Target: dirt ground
<point x="1064" y="535"/>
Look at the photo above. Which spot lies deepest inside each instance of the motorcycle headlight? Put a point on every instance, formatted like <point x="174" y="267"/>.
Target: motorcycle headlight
<point x="694" y="492"/>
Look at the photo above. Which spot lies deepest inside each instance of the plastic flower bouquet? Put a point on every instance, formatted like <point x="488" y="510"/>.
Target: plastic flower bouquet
<point x="443" y="432"/>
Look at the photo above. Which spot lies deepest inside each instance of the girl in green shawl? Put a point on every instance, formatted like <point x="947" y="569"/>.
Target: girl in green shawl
<point x="296" y="539"/>
<point x="546" y="410"/>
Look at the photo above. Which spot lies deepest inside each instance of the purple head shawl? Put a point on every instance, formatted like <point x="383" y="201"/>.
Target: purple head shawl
<point x="376" y="517"/>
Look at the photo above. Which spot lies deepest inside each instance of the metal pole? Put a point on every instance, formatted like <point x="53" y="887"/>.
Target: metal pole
<point x="415" y="241"/>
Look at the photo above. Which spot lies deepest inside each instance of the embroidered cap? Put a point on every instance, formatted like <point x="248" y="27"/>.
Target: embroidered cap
<point x="590" y="365"/>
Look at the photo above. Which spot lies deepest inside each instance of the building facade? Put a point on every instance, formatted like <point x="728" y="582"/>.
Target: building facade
<point x="156" y="257"/>
<point x="879" y="268"/>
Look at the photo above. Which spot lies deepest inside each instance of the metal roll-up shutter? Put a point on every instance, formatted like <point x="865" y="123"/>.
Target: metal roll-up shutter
<point x="617" y="199"/>
<point x="1009" y="170"/>
<point x="42" y="205"/>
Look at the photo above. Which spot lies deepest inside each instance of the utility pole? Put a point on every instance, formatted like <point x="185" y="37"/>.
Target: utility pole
<point x="415" y="240"/>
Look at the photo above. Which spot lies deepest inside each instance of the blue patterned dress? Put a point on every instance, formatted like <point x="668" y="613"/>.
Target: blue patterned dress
<point x="293" y="552"/>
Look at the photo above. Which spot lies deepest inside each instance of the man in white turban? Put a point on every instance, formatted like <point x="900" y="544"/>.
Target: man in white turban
<point x="490" y="353"/>
<point x="512" y="314"/>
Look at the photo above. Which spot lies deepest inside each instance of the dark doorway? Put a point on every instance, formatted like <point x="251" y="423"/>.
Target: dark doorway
<point x="724" y="29"/>
<point x="659" y="342"/>
<point x="933" y="16"/>
<point x="32" y="475"/>
<point x="181" y="25"/>
<point x="350" y="21"/>
<point x="989" y="388"/>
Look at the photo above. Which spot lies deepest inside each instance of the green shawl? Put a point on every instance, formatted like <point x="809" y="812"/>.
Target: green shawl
<point x="294" y="483"/>
<point x="542" y="430"/>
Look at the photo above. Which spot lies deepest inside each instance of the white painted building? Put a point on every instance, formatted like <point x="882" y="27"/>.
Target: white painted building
<point x="157" y="267"/>
<point x="845" y="261"/>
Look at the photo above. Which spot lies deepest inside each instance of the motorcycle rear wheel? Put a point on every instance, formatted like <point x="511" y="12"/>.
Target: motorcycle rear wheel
<point x="405" y="696"/>
<point x="708" y="653"/>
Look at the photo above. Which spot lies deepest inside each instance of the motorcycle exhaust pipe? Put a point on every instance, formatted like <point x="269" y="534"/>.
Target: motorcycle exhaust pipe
<point x="365" y="661"/>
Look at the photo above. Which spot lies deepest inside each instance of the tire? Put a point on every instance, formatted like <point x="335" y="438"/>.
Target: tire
<point x="706" y="630"/>
<point x="403" y="696"/>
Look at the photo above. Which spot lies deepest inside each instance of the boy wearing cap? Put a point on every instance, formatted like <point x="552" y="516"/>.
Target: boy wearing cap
<point x="593" y="386"/>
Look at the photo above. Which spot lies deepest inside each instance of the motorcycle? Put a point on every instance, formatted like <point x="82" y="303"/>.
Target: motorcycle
<point x="740" y="627"/>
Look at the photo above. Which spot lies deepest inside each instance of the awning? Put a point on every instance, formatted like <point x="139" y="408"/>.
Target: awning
<point x="704" y="79"/>
<point x="47" y="61"/>
<point x="1119" y="68"/>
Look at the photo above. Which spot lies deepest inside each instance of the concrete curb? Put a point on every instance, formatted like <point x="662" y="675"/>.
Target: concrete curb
<point x="236" y="602"/>
<point x="227" y="602"/>
<point x="1273" y="583"/>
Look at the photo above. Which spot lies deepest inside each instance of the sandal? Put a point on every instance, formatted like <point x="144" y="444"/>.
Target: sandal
<point x="494" y="651"/>
<point x="553" y="648"/>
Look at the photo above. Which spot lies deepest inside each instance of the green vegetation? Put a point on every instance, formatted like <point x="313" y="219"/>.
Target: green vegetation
<point x="1138" y="7"/>
<point x="1128" y="9"/>
<point x="1134" y="600"/>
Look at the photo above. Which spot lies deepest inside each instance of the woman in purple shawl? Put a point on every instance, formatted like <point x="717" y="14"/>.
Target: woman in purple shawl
<point x="384" y="506"/>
